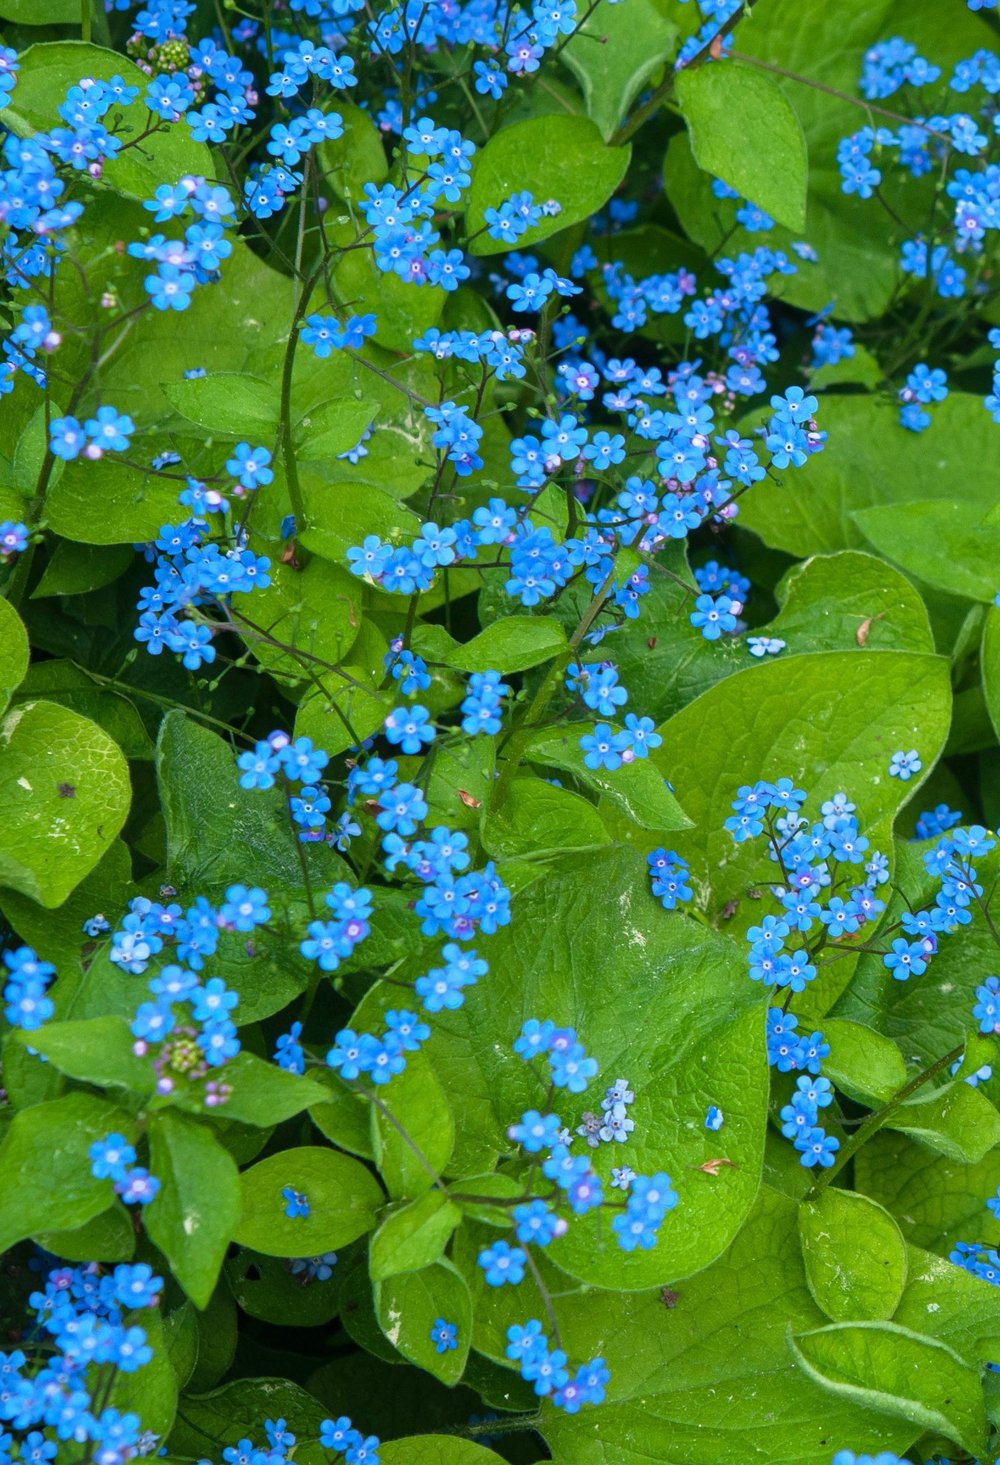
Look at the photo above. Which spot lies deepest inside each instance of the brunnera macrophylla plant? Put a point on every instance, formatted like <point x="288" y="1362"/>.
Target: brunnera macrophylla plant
<point x="500" y="670"/>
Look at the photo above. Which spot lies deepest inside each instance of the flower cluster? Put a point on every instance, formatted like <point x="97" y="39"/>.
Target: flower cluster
<point x="56" y="1382"/>
<point x="545" y="1368"/>
<point x="195" y="570"/>
<point x="949" y="257"/>
<point x="28" y="978"/>
<point x="113" y="1158"/>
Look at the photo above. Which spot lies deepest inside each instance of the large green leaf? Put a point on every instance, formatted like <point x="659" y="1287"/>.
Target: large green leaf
<point x="639" y="789"/>
<point x="745" y="131"/>
<point x="218" y="832"/>
<point x="656" y="999"/>
<point x="197" y="1207"/>
<point x="936" y="1200"/>
<point x="899" y="1373"/>
<point x="537" y="820"/>
<point x="13" y="651"/>
<point x="238" y="1410"/>
<point x="950" y="544"/>
<point x="854" y="1254"/>
<point x="40" y="12"/>
<point x="409" y="1305"/>
<point x="230" y="404"/>
<point x="412" y="1129"/>
<point x="49" y="69"/>
<point x="561" y="158"/>
<point x="149" y="1392"/>
<point x="513" y="643"/>
<point x="97" y="1050"/>
<point x="45" y="1164"/>
<point x="870" y="460"/>
<point x="435" y="1449"/>
<point x="64" y="786"/>
<point x="830" y="721"/>
<point x="412" y="1236"/>
<point x="614" y="52"/>
<point x="863" y="1063"/>
<point x="848" y="601"/>
<point x="693" y="1380"/>
<point x="343" y="1199"/>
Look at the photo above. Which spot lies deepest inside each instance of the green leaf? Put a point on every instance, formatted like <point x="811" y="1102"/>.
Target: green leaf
<point x="589" y="948"/>
<point x="61" y="1193"/>
<point x="69" y="685"/>
<point x="97" y="1050"/>
<point x="851" y="714"/>
<point x="110" y="503"/>
<point x="197" y="1208"/>
<point x="614" y="52"/>
<point x="862" y="1062"/>
<point x="218" y="832"/>
<point x="150" y="1392"/>
<point x="958" y="1309"/>
<point x="435" y="1449"/>
<point x="639" y="789"/>
<point x="40" y="12"/>
<point x="899" y="1373"/>
<point x="49" y="69"/>
<point x="989" y="661"/>
<point x="262" y="1094"/>
<point x="231" y="404"/>
<point x="64" y="787"/>
<point x="408" y="1306"/>
<point x="950" y="544"/>
<point x="316" y="609"/>
<point x="76" y="568"/>
<point x="333" y="427"/>
<point x="870" y="460"/>
<point x="538" y="821"/>
<point x="957" y="1121"/>
<point x="266" y="1288"/>
<point x="513" y="643"/>
<point x="109" y="1237"/>
<point x="356" y="158"/>
<point x="414" y="1149"/>
<point x="343" y="1199"/>
<point x="236" y="1412"/>
<point x="745" y="131"/>
<point x="854" y="1254"/>
<point x="558" y="157"/>
<point x="693" y="1382"/>
<point x="13" y="651"/>
<point x="936" y="1200"/>
<point x="340" y="515"/>
<point x="412" y="1236"/>
<point x="848" y="601"/>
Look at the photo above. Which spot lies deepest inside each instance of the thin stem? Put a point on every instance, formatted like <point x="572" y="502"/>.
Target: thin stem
<point x="875" y="1121"/>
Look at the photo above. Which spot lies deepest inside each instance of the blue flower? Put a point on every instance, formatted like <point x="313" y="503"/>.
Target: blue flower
<point x="502" y="1263"/>
<point x="296" y="1204"/>
<point x="904" y="765"/>
<point x="444" y="1335"/>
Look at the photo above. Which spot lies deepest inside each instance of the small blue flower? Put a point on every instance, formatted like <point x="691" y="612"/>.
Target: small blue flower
<point x="296" y="1204"/>
<point x="444" y="1335"/>
<point x="904" y="765"/>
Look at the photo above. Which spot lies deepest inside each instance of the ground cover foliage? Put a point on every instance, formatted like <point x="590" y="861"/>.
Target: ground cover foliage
<point x="499" y="702"/>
